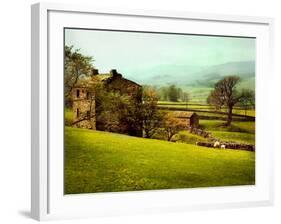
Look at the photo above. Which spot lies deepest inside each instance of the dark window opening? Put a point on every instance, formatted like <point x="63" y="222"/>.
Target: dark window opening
<point x="77" y="93"/>
<point x="88" y="114"/>
<point x="88" y="95"/>
<point x="77" y="112"/>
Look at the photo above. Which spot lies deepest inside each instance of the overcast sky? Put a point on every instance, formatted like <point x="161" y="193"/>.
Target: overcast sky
<point x="131" y="52"/>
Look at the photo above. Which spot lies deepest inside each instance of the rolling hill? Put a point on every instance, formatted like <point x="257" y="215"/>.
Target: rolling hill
<point x="183" y="75"/>
<point x="98" y="161"/>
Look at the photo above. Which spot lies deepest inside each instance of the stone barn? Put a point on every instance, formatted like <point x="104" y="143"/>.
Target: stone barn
<point x="191" y="118"/>
<point x="84" y="99"/>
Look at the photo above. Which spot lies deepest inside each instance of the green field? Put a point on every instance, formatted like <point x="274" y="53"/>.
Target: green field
<point x="203" y="108"/>
<point x="105" y="162"/>
<point x="199" y="94"/>
<point x="189" y="138"/>
<point x="250" y="112"/>
<point x="239" y="137"/>
<point x="236" y="126"/>
<point x="68" y="116"/>
<point x="242" y="132"/>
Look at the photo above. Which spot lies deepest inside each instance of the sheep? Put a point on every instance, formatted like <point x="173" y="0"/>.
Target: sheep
<point x="216" y="144"/>
<point x="223" y="146"/>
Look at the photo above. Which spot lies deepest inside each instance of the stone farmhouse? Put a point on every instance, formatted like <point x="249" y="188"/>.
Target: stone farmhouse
<point x="84" y="98"/>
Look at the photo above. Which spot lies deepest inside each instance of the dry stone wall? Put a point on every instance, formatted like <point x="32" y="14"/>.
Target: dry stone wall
<point x="224" y="144"/>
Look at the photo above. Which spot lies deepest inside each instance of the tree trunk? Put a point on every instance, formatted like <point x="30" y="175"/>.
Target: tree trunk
<point x="229" y="116"/>
<point x="170" y="135"/>
<point x="146" y="134"/>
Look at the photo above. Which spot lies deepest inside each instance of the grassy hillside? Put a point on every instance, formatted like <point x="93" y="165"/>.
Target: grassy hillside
<point x="104" y="162"/>
<point x="236" y="126"/>
<point x="242" y="132"/>
<point x="68" y="116"/>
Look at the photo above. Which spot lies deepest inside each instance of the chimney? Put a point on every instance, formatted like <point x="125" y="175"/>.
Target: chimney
<point x="95" y="71"/>
<point x="114" y="73"/>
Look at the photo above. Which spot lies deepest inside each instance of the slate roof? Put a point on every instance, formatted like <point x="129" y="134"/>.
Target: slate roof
<point x="98" y="78"/>
<point x="183" y="114"/>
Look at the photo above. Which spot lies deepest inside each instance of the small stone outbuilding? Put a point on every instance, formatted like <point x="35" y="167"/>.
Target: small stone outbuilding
<point x="191" y="118"/>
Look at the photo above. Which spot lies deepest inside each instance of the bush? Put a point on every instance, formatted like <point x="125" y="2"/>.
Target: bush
<point x="188" y="138"/>
<point x="68" y="116"/>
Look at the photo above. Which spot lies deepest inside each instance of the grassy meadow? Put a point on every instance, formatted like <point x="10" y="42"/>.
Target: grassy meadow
<point x="203" y="108"/>
<point x="242" y="132"/>
<point x="68" y="116"/>
<point x="98" y="161"/>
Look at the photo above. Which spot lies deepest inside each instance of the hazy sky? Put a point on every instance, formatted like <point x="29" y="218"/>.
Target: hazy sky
<point x="131" y="52"/>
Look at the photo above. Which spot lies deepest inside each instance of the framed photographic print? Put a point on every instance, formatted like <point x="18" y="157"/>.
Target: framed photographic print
<point x="138" y="111"/>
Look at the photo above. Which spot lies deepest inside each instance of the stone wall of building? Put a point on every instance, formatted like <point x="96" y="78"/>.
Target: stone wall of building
<point x="83" y="109"/>
<point x="125" y="87"/>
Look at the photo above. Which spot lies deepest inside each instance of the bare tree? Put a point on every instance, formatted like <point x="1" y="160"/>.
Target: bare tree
<point x="173" y="93"/>
<point x="247" y="100"/>
<point x="225" y="93"/>
<point x="172" y="126"/>
<point x="152" y="118"/>
<point x="215" y="99"/>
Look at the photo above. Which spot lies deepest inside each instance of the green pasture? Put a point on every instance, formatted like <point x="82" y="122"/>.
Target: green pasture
<point x="242" y="132"/>
<point x="68" y="116"/>
<point x="246" y="138"/>
<point x="105" y="162"/>
<point x="250" y="112"/>
<point x="203" y="107"/>
<point x="189" y="138"/>
<point x="212" y="115"/>
<point x="183" y="136"/>
<point x="236" y="126"/>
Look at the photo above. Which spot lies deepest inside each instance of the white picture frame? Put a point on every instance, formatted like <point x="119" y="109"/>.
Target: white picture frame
<point x="48" y="201"/>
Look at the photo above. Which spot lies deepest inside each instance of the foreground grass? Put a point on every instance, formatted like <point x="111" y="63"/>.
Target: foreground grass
<point x="106" y="162"/>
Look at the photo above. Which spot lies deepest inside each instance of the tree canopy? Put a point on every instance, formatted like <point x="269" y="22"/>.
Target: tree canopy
<point x="75" y="66"/>
<point x="225" y="93"/>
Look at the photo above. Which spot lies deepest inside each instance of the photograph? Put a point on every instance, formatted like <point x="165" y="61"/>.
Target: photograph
<point x="157" y="111"/>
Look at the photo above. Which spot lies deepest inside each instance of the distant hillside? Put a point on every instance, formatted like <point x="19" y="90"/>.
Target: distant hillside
<point x="196" y="76"/>
<point x="246" y="71"/>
